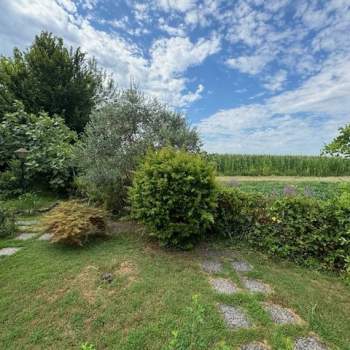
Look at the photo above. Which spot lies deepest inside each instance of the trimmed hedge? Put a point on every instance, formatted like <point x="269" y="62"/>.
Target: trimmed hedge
<point x="303" y="229"/>
<point x="174" y="194"/>
<point x="237" y="212"/>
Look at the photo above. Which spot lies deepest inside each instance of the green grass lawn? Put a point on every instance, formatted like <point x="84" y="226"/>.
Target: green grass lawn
<point x="322" y="188"/>
<point x="52" y="297"/>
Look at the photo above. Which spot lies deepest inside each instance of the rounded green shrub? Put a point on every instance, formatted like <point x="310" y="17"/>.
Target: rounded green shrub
<point x="174" y="194"/>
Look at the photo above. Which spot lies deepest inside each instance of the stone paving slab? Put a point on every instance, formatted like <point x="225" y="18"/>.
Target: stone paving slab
<point x="254" y="346"/>
<point x="25" y="236"/>
<point x="234" y="317"/>
<point x="224" y="286"/>
<point x="241" y="266"/>
<point x="45" y="237"/>
<point x="27" y="222"/>
<point x="212" y="266"/>
<point x="8" y="251"/>
<point x="28" y="228"/>
<point x="281" y="315"/>
<point x="309" y="343"/>
<point x="255" y="286"/>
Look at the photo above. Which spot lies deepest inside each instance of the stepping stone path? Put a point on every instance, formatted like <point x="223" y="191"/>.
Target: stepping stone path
<point x="309" y="343"/>
<point x="24" y="225"/>
<point x="27" y="222"/>
<point x="211" y="266"/>
<point x="241" y="266"/>
<point x="234" y="317"/>
<point x="223" y="286"/>
<point x="8" y="251"/>
<point x="255" y="286"/>
<point x="254" y="346"/>
<point x="281" y="315"/>
<point x="45" y="237"/>
<point x="25" y="236"/>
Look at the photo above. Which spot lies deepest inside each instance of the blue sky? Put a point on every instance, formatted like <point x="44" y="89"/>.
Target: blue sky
<point x="253" y="76"/>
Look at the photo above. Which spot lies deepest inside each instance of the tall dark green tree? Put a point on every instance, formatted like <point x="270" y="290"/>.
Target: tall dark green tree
<point x="53" y="78"/>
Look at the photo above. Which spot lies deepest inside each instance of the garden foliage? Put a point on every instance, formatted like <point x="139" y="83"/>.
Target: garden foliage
<point x="49" y="142"/>
<point x="303" y="229"/>
<point x="236" y="212"/>
<point x="340" y="146"/>
<point x="52" y="78"/>
<point x="7" y="222"/>
<point x="174" y="194"/>
<point x="118" y="136"/>
<point x="74" y="223"/>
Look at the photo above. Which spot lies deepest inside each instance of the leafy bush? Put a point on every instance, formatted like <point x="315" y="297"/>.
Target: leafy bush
<point x="301" y="228"/>
<point x="290" y="229"/>
<point x="236" y="212"/>
<point x="174" y="194"/>
<point x="118" y="136"/>
<point x="306" y="230"/>
<point x="335" y="248"/>
<point x="75" y="223"/>
<point x="9" y="184"/>
<point x="7" y="222"/>
<point x="48" y="140"/>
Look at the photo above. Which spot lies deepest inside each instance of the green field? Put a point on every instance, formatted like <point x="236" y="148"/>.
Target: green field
<point x="322" y="188"/>
<point x="268" y="165"/>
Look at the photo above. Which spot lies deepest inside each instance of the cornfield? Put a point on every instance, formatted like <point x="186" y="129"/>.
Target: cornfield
<point x="271" y="165"/>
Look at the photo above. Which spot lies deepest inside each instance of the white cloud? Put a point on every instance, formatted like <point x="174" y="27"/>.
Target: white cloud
<point x="301" y="120"/>
<point x="176" y="54"/>
<point x="192" y="96"/>
<point x="275" y="82"/>
<point x="173" y="31"/>
<point x="177" y="5"/>
<point x="68" y="5"/>
<point x="88" y="4"/>
<point x="249" y="64"/>
<point x="275" y="5"/>
<point x="170" y="58"/>
<point x="141" y="12"/>
<point x="161" y="75"/>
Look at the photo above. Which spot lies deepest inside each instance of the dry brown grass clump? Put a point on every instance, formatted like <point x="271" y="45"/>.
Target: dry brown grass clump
<point x="73" y="223"/>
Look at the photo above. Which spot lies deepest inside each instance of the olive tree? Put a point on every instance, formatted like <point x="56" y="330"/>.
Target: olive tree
<point x="118" y="135"/>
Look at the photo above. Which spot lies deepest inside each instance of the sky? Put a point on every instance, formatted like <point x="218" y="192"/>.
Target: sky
<point x="252" y="76"/>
